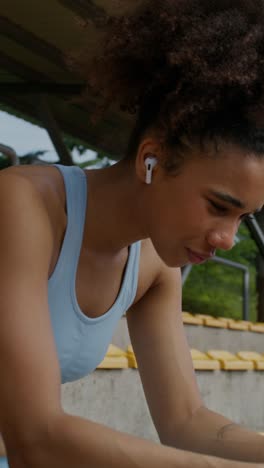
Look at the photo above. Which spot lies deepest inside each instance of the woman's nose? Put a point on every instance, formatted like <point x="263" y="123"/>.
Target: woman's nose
<point x="223" y="239"/>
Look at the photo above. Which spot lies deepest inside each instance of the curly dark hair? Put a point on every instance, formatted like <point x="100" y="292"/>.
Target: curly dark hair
<point x="191" y="69"/>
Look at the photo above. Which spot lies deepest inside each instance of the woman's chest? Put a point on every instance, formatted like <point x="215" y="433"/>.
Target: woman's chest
<point x="98" y="279"/>
<point x="84" y="315"/>
<point x="99" y="282"/>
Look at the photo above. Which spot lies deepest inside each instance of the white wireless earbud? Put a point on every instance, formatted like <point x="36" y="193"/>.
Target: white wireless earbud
<point x="150" y="162"/>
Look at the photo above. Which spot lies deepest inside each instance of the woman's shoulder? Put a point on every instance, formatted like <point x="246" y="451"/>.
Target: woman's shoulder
<point x="46" y="180"/>
<point x="47" y="184"/>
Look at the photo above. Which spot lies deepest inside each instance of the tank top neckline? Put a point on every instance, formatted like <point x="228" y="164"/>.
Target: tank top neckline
<point x="131" y="259"/>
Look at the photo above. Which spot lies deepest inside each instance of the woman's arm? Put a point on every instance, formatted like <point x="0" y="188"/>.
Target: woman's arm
<point x="212" y="433"/>
<point x="36" y="431"/>
<point x="79" y="443"/>
<point x="168" y="377"/>
<point x="2" y="448"/>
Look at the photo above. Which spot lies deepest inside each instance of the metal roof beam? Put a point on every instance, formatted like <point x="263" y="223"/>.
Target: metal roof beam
<point x="62" y="89"/>
<point x="86" y="10"/>
<point x="53" y="130"/>
<point x="31" y="42"/>
<point x="19" y="69"/>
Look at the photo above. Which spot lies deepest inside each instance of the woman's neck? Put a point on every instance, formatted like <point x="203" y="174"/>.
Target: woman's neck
<point x="113" y="212"/>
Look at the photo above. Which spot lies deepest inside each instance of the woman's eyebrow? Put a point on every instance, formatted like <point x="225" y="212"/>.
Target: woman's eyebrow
<point x="228" y="198"/>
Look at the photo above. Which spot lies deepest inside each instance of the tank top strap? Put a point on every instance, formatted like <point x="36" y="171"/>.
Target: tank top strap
<point x="76" y="199"/>
<point x="131" y="276"/>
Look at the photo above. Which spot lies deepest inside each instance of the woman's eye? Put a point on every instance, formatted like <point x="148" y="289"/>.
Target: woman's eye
<point x="219" y="208"/>
<point x="245" y="216"/>
<point x="223" y="210"/>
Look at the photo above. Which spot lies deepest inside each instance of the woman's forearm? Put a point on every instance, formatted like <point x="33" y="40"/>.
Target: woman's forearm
<point x="79" y="443"/>
<point x="211" y="433"/>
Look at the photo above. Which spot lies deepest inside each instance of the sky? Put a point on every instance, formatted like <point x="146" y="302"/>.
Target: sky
<point x="24" y="137"/>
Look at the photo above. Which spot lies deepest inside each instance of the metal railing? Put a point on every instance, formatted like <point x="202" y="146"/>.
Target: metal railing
<point x="224" y="261"/>
<point x="258" y="236"/>
<point x="10" y="153"/>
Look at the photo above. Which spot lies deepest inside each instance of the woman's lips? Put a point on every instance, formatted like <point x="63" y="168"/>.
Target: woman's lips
<point x="195" y="257"/>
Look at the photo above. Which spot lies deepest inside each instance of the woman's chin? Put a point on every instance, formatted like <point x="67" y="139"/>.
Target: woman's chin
<point x="173" y="262"/>
<point x="170" y="259"/>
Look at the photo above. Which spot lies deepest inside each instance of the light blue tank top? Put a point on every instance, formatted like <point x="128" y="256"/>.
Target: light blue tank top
<point x="82" y="341"/>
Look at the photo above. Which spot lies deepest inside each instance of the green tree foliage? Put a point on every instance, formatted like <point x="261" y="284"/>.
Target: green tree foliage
<point x="217" y="289"/>
<point x="100" y="159"/>
<point x="4" y="161"/>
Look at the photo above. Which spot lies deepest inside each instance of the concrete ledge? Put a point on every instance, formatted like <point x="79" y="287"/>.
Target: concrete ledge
<point x="115" y="398"/>
<point x="111" y="397"/>
<point x="204" y="338"/>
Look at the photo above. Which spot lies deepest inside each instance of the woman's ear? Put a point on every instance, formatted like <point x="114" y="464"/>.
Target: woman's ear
<point x="146" y="161"/>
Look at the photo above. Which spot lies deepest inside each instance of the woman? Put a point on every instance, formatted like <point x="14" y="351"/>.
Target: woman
<point x="79" y="248"/>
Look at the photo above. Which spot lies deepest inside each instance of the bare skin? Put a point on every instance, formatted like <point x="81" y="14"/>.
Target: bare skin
<point x="171" y="215"/>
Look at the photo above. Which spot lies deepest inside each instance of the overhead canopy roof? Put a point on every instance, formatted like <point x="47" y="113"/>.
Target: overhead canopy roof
<point x="34" y="36"/>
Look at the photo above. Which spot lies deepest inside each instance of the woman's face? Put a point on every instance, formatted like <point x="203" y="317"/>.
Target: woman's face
<point x="200" y="210"/>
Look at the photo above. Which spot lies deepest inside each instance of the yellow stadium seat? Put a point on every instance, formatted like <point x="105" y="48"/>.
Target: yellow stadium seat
<point x="191" y="319"/>
<point x="203" y="362"/>
<point x="210" y="321"/>
<point x="229" y="361"/>
<point x="115" y="358"/>
<point x="242" y="325"/>
<point x="256" y="327"/>
<point x="226" y="320"/>
<point x="131" y="357"/>
<point x="256" y="358"/>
